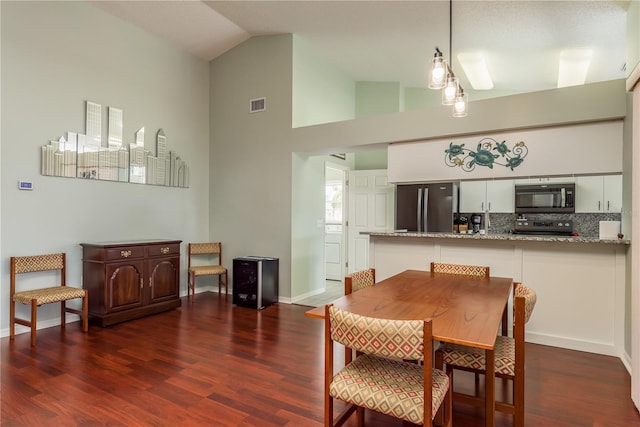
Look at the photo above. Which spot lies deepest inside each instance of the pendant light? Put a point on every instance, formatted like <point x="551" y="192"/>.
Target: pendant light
<point x="443" y="77"/>
<point x="461" y="104"/>
<point x="438" y="71"/>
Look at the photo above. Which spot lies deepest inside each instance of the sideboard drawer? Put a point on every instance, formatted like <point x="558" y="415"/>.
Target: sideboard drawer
<point x="159" y="250"/>
<point x="123" y="253"/>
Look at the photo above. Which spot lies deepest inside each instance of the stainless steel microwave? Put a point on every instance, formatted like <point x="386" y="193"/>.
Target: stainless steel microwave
<point x="545" y="198"/>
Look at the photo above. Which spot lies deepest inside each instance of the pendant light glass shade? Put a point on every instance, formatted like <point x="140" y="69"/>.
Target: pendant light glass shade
<point x="438" y="71"/>
<point x="450" y="90"/>
<point x="461" y="105"/>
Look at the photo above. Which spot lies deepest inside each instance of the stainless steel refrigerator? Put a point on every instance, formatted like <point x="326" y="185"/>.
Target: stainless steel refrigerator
<point x="426" y="207"/>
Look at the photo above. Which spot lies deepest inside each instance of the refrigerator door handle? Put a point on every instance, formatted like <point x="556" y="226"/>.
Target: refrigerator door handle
<point x="425" y="210"/>
<point x="419" y="211"/>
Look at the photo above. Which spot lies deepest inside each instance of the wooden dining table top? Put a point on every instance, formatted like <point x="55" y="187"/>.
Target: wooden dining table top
<point x="464" y="309"/>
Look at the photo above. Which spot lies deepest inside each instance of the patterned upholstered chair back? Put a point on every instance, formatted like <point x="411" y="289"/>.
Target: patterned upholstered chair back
<point x="205" y="248"/>
<point x="530" y="299"/>
<point x="29" y="264"/>
<point x="466" y="270"/>
<point x="400" y="339"/>
<point x="359" y="280"/>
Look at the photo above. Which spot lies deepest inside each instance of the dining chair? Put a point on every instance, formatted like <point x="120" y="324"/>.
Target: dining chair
<point x="467" y="270"/>
<point x="36" y="297"/>
<point x="210" y="251"/>
<point x="382" y="379"/>
<point x="354" y="282"/>
<point x="359" y="280"/>
<point x="509" y="357"/>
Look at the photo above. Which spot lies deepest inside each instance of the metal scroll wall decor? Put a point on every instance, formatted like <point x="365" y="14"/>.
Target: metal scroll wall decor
<point x="84" y="156"/>
<point x="488" y="153"/>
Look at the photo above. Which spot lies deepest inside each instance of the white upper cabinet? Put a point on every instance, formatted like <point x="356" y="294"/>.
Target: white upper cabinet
<point x="599" y="194"/>
<point x="495" y="196"/>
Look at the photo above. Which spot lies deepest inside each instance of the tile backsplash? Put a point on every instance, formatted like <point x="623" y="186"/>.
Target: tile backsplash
<point x="585" y="224"/>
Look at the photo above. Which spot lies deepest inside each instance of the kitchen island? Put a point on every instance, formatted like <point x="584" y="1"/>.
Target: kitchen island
<point x="580" y="281"/>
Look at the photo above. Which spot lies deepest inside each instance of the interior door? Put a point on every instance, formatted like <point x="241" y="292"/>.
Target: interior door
<point x="335" y="221"/>
<point x="371" y="208"/>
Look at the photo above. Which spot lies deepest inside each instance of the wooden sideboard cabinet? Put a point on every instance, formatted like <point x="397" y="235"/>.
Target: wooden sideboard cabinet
<point x="132" y="279"/>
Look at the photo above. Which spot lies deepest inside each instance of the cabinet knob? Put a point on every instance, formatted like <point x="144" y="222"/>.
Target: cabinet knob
<point x="125" y="254"/>
<point x="164" y="250"/>
<point x="151" y="282"/>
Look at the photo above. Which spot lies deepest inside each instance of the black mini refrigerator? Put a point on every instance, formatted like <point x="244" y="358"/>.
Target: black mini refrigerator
<point x="255" y="281"/>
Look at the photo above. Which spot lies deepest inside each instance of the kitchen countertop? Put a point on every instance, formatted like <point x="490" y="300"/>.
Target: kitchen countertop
<point x="516" y="237"/>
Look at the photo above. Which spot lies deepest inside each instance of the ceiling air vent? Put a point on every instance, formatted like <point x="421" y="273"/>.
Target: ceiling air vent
<point x="258" y="104"/>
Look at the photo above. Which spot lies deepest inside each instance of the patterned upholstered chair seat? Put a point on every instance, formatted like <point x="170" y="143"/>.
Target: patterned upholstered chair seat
<point x="474" y="358"/>
<point x="206" y="270"/>
<point x="49" y="295"/>
<point x="388" y="386"/>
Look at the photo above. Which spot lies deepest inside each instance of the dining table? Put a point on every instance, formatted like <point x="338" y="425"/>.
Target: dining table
<point x="467" y="310"/>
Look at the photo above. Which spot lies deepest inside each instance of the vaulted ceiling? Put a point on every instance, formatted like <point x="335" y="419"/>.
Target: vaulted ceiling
<point x="394" y="40"/>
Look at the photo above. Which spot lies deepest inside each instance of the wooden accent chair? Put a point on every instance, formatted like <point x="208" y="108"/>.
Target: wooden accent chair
<point x="467" y="270"/>
<point x="36" y="297"/>
<point x="210" y="250"/>
<point x="387" y="346"/>
<point x="359" y="280"/>
<point x="509" y="357"/>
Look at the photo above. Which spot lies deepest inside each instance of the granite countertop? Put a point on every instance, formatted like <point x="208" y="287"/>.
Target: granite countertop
<point x="518" y="237"/>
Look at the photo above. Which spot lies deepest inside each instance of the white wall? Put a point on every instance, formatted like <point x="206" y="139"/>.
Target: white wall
<point x="55" y="56"/>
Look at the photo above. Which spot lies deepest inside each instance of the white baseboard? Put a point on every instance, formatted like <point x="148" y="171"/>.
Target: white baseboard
<point x="309" y="294"/>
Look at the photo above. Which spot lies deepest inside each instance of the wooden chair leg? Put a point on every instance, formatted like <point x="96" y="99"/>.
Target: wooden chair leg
<point x="12" y="320"/>
<point x="34" y="318"/>
<point x="85" y="312"/>
<point x="438" y="363"/>
<point x="448" y="404"/>
<point x="518" y="402"/>
<point x="360" y="417"/>
<point x="63" y="315"/>
<point x="191" y="285"/>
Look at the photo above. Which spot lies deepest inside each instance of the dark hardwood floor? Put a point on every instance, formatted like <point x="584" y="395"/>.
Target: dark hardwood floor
<point x="210" y="363"/>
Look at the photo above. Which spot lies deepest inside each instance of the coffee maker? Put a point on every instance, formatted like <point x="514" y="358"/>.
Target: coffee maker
<point x="476" y="222"/>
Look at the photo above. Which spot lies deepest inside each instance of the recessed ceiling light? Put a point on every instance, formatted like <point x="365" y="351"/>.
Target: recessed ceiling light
<point x="574" y="64"/>
<point x="475" y="68"/>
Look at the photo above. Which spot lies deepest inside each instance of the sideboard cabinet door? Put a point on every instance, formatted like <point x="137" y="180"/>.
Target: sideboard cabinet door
<point x="164" y="279"/>
<point x="124" y="286"/>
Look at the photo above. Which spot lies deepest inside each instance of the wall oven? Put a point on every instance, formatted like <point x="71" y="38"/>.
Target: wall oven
<point x="545" y="198"/>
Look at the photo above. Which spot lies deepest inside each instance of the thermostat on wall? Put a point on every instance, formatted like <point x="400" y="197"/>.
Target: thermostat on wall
<point x="25" y="185"/>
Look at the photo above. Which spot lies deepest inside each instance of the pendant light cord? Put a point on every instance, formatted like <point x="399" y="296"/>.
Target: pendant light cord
<point x="450" y="30"/>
